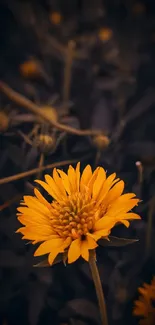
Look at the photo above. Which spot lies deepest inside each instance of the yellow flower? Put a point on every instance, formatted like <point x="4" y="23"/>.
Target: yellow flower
<point x="84" y="209"/>
<point x="143" y="306"/>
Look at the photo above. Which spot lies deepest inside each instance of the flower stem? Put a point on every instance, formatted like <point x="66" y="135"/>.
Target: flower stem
<point x="98" y="287"/>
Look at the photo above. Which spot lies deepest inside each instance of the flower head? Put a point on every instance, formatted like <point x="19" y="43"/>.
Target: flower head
<point x="144" y="305"/>
<point x="84" y="209"/>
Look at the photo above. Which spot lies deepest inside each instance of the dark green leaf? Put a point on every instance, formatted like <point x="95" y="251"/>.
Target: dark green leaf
<point x="116" y="241"/>
<point x="45" y="263"/>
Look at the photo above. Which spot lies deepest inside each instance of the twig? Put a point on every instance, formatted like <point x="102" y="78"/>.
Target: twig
<point x="41" y="163"/>
<point x="140" y="172"/>
<point x="60" y="50"/>
<point x="9" y="202"/>
<point x="26" y="103"/>
<point x="67" y="72"/>
<point x="36" y="170"/>
<point x="25" y="137"/>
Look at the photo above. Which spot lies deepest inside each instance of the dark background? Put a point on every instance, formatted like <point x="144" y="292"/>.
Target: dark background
<point x="112" y="89"/>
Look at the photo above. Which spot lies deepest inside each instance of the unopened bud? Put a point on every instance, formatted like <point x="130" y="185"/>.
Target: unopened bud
<point x="101" y="141"/>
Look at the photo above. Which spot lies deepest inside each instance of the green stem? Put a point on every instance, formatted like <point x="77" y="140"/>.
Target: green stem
<point x="98" y="287"/>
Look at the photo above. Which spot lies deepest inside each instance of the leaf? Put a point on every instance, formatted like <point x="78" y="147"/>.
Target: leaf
<point x="116" y="241"/>
<point x="82" y="308"/>
<point x="45" y="263"/>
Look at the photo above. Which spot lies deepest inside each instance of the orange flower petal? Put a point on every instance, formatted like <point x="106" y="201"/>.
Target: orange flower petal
<point x="35" y="204"/>
<point x="65" y="181"/>
<point x="84" y="250"/>
<point x="48" y="246"/>
<point x="53" y="254"/>
<point x="31" y="235"/>
<point x="56" y="191"/>
<point x="91" y="242"/>
<point x="41" y="198"/>
<point x="98" y="184"/>
<point x="74" y="251"/>
<point x="59" y="183"/>
<point x="101" y="234"/>
<point x="105" y="223"/>
<point x="92" y="180"/>
<point x="123" y="204"/>
<point x="85" y="177"/>
<point x="78" y="176"/>
<point x="125" y="223"/>
<point x="34" y="214"/>
<point x="39" y="229"/>
<point x="47" y="188"/>
<point x="132" y="216"/>
<point x="106" y="187"/>
<point x="115" y="192"/>
<point x="30" y="221"/>
<point x="72" y="176"/>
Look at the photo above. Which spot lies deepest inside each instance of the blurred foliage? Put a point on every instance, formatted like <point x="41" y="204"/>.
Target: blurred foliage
<point x="86" y="65"/>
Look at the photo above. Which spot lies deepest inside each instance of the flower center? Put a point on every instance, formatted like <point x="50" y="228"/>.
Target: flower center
<point x="74" y="216"/>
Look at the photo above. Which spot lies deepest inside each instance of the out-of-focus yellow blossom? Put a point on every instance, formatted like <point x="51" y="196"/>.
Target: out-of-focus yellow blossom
<point x="55" y="18"/>
<point x="144" y="305"/>
<point x="105" y="34"/>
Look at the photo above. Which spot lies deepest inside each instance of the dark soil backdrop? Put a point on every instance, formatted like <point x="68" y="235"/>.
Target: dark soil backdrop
<point x="88" y="65"/>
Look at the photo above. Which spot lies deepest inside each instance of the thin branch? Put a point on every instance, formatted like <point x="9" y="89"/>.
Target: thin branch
<point x="33" y="108"/>
<point x="36" y="170"/>
<point x="9" y="202"/>
<point x="67" y="72"/>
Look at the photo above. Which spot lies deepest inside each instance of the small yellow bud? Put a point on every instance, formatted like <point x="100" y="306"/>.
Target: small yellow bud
<point x="55" y="18"/>
<point x="101" y="141"/>
<point x="4" y="122"/>
<point x="30" y="69"/>
<point x="105" y="34"/>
